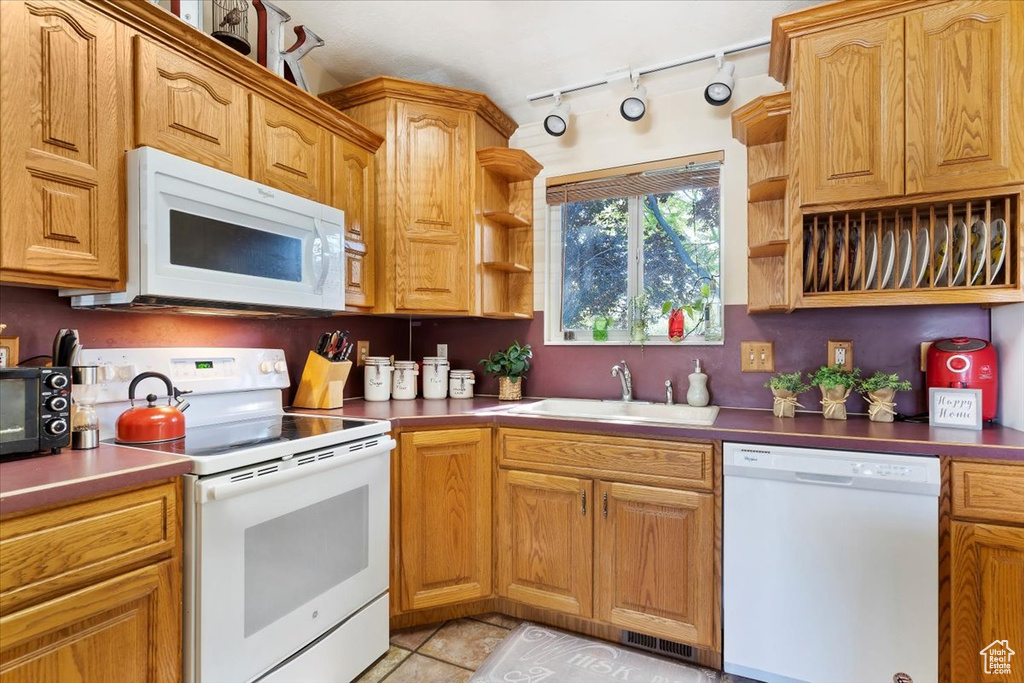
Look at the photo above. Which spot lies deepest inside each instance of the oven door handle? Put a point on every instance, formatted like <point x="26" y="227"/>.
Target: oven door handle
<point x="232" y="489"/>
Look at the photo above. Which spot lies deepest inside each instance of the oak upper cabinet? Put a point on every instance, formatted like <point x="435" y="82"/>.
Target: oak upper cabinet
<point x="965" y="96"/>
<point x="546" y="541"/>
<point x="289" y="151"/>
<point x="355" y="193"/>
<point x="445" y="526"/>
<point x="189" y="110"/>
<point x="61" y="170"/>
<point x="91" y="591"/>
<point x="428" y="257"/>
<point x="848" y="95"/>
<point x="433" y="209"/>
<point x="655" y="550"/>
<point x="987" y="595"/>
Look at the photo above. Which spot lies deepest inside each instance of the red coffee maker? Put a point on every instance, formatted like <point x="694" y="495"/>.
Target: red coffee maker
<point x="966" y="363"/>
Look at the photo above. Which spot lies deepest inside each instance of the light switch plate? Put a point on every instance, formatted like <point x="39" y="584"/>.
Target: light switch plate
<point x="362" y="351"/>
<point x="757" y="356"/>
<point x="840" y="352"/>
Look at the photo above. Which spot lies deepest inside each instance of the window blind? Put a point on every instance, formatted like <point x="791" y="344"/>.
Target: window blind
<point x="658" y="181"/>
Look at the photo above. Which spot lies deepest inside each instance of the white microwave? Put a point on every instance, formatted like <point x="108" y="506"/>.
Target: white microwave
<point x="202" y="240"/>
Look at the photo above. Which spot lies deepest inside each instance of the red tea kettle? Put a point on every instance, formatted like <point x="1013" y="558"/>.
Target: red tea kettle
<point x="153" y="423"/>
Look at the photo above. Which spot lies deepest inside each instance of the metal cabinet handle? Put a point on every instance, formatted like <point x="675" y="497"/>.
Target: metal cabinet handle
<point x="605" y="505"/>
<point x="583" y="504"/>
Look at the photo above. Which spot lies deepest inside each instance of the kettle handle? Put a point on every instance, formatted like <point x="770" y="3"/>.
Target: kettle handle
<point x="146" y="375"/>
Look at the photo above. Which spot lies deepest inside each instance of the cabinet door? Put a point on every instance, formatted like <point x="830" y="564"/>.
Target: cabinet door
<point x="546" y="541"/>
<point x="848" y="96"/>
<point x="189" y="110"/>
<point x="289" y="152"/>
<point x="125" y="629"/>
<point x="655" y="554"/>
<point x="965" y="96"/>
<point x="446" y="517"/>
<point x="61" y="171"/>
<point x="354" y="192"/>
<point x="433" y="221"/>
<point x="988" y="600"/>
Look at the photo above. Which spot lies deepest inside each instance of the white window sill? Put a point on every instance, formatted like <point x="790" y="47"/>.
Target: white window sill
<point x="621" y="342"/>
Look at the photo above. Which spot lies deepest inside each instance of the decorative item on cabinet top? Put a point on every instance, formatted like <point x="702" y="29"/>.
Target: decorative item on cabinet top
<point x="944" y="248"/>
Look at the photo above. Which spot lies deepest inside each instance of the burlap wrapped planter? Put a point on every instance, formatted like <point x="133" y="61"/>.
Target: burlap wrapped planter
<point x="880" y="405"/>
<point x="833" y="402"/>
<point x="784" y="403"/>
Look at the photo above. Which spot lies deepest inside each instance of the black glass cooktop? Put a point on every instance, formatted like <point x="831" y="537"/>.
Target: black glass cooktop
<point x="218" y="439"/>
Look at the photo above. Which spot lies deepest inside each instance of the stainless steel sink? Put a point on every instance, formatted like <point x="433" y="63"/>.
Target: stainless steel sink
<point x="618" y="411"/>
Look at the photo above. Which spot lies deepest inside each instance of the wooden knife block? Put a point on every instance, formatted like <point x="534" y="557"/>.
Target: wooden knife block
<point x="322" y="383"/>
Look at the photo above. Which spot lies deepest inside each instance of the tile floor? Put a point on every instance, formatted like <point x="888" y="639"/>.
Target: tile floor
<point x="440" y="653"/>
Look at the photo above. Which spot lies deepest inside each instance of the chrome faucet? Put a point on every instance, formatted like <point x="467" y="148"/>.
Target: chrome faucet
<point x="668" y="393"/>
<point x="622" y="372"/>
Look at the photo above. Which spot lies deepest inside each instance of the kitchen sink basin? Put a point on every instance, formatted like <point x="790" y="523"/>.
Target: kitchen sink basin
<point x="619" y="411"/>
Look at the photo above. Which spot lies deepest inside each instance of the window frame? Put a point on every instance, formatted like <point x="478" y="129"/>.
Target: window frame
<point x="553" y="333"/>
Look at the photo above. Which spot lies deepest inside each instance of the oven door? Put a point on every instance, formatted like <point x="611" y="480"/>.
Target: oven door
<point x="281" y="553"/>
<point x="209" y="235"/>
<point x="19" y="410"/>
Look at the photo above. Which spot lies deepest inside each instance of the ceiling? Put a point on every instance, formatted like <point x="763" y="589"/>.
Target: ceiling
<point x="510" y="49"/>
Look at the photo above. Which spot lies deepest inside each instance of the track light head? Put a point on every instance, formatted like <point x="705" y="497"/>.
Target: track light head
<point x="557" y="120"/>
<point x="719" y="89"/>
<point x="634" y="106"/>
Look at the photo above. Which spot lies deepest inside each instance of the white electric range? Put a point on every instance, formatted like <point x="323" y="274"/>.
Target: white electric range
<point x="285" y="518"/>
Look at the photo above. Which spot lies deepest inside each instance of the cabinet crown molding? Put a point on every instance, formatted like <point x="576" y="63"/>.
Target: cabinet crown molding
<point x="786" y="27"/>
<point x="380" y="87"/>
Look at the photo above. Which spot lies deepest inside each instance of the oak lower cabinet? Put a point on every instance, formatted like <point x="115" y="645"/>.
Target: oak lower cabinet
<point x="546" y="541"/>
<point x="987" y="572"/>
<point x="61" y="170"/>
<point x="444" y="517"/>
<point x="91" y="591"/>
<point x="655" y="565"/>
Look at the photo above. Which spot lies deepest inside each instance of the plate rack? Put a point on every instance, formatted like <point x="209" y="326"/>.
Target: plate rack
<point x="938" y="248"/>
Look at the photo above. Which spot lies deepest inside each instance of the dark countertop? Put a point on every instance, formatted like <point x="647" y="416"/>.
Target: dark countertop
<point x="810" y="430"/>
<point x="48" y="479"/>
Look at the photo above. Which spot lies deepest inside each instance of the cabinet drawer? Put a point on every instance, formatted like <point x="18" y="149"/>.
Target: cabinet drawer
<point x="992" y="493"/>
<point x="645" y="461"/>
<point x="54" y="551"/>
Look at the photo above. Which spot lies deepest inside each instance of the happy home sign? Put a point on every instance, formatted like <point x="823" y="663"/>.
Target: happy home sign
<point x="959" y="408"/>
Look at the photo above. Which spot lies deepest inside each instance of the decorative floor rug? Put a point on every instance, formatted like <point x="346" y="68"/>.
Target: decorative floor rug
<point x="532" y="654"/>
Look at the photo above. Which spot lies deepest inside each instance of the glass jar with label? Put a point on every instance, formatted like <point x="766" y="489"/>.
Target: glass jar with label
<point x="403" y="381"/>
<point x="460" y="383"/>
<point x="435" y="377"/>
<point x="377" y="378"/>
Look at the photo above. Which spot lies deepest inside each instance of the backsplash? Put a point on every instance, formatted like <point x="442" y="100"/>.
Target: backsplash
<point x="883" y="339"/>
<point x="35" y="315"/>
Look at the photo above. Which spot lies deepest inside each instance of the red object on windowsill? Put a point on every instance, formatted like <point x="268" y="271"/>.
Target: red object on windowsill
<point x="676" y="325"/>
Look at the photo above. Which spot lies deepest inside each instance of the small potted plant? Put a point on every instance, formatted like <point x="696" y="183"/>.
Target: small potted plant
<point x="835" y="385"/>
<point x="785" y="387"/>
<point x="510" y="367"/>
<point x="879" y="391"/>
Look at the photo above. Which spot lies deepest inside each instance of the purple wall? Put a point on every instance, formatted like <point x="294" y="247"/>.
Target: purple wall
<point x="35" y="315"/>
<point x="884" y="339"/>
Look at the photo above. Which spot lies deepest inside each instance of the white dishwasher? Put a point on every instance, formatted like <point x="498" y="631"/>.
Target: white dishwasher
<point x="830" y="565"/>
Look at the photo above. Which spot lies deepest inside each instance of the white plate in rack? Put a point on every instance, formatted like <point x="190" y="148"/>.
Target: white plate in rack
<point x="871" y="253"/>
<point x="979" y="247"/>
<point x="888" y="254"/>
<point x="921" y="254"/>
<point x="855" y="256"/>
<point x="940" y="252"/>
<point x="809" y="252"/>
<point x="997" y="250"/>
<point x="906" y="246"/>
<point x="959" y="255"/>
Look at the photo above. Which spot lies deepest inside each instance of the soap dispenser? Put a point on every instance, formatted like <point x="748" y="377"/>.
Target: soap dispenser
<point x="697" y="393"/>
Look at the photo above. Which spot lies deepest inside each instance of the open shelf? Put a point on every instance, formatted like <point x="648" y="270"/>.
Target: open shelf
<point x="767" y="190"/>
<point x="768" y="249"/>
<point x="509" y="315"/>
<point x="509" y="220"/>
<point x="514" y="165"/>
<point x="507" y="266"/>
<point x="763" y="120"/>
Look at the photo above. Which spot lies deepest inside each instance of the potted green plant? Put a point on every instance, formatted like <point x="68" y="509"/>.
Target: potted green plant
<point x="879" y="391"/>
<point x="510" y="367"/>
<point x="835" y="384"/>
<point x="785" y="387"/>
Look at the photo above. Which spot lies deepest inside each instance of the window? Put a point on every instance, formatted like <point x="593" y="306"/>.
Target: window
<point x="629" y="244"/>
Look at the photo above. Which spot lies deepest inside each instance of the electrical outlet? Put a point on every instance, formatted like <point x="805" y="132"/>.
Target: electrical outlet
<point x="840" y="353"/>
<point x="757" y="356"/>
<point x="442" y="350"/>
<point x="362" y="351"/>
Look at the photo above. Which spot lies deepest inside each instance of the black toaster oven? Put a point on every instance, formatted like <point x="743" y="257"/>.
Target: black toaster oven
<point x="35" y="410"/>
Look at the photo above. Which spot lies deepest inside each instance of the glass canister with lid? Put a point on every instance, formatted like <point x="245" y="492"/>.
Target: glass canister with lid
<point x="435" y="377"/>
<point x="377" y="378"/>
<point x="460" y="383"/>
<point x="403" y="381"/>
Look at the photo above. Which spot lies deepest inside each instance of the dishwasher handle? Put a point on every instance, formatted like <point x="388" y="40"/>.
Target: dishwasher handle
<point x="826" y="479"/>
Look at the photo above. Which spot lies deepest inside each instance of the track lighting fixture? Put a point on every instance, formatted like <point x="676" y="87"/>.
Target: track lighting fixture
<point x="634" y="106"/>
<point x="557" y="120"/>
<point x="719" y="89"/>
